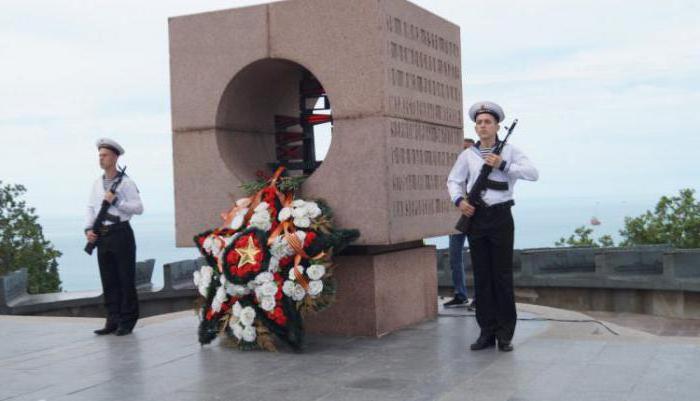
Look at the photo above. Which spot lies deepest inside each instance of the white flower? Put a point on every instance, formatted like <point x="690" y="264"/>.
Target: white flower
<point x="313" y="210"/>
<point x="315" y="272"/>
<point x="243" y="202"/>
<point x="247" y="316"/>
<point x="219" y="299"/>
<point x="216" y="305"/>
<point x="262" y="206"/>
<point x="263" y="225"/>
<point x="298" y="212"/>
<point x="237" y="221"/>
<point x="306" y="209"/>
<point x="302" y="222"/>
<point x="220" y="294"/>
<point x="298" y="203"/>
<point x="274" y="265"/>
<point x="267" y="303"/>
<point x="237" y="330"/>
<point x="315" y="287"/>
<point x="264" y="277"/>
<point x="259" y="217"/>
<point x="208" y="242"/>
<point x="279" y="247"/>
<point x="268" y="289"/>
<point x="236" y="290"/>
<point x="236" y="310"/>
<point x="203" y="289"/>
<point x="202" y="279"/>
<point x="261" y="220"/>
<point x="207" y="271"/>
<point x="248" y="334"/>
<point x="301" y="235"/>
<point x="217" y="246"/>
<point x="284" y="214"/>
<point x="288" y="288"/>
<point x="298" y="294"/>
<point x="292" y="275"/>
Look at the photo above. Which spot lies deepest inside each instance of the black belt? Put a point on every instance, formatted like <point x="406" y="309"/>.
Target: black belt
<point x="497" y="185"/>
<point x="113" y="228"/>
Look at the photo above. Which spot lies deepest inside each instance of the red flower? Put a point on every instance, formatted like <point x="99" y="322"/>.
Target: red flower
<point x="232" y="258"/>
<point x="277" y="315"/>
<point x="310" y="237"/>
<point x="285" y="261"/>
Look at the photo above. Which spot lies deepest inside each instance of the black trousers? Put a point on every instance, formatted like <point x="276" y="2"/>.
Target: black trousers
<point x="491" y="247"/>
<point x="116" y="256"/>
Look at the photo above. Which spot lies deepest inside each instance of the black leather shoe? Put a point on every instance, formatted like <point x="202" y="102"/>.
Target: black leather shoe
<point x="122" y="331"/>
<point x="456" y="301"/>
<point x="483" y="342"/>
<point x="105" y="330"/>
<point x="505" y="346"/>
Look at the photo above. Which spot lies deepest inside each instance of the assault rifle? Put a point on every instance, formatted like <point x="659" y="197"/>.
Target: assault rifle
<point x="102" y="215"/>
<point x="480" y="185"/>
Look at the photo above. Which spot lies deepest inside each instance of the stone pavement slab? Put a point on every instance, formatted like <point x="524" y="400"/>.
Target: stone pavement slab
<point x="47" y="358"/>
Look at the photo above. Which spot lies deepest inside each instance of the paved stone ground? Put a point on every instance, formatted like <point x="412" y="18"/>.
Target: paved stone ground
<point x="46" y="358"/>
<point x="658" y="325"/>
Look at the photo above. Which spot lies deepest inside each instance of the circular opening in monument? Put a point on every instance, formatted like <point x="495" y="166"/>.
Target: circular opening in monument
<point x="273" y="112"/>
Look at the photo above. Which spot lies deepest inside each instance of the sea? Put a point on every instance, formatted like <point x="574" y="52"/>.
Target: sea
<point x="539" y="223"/>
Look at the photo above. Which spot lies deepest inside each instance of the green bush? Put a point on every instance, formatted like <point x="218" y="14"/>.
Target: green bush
<point x="22" y="243"/>
<point x="674" y="221"/>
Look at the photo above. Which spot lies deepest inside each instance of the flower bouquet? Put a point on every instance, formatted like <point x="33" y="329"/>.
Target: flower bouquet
<point x="269" y="262"/>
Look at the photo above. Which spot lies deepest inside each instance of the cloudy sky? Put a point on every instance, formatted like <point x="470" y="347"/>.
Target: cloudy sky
<point x="607" y="92"/>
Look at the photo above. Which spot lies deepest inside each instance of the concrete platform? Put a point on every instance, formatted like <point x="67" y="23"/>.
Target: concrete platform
<point x="48" y="358"/>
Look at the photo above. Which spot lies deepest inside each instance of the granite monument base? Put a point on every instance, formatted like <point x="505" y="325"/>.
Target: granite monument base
<point x="379" y="293"/>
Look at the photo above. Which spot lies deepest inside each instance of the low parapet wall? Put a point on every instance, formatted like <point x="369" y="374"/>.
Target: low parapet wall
<point x="178" y="293"/>
<point x="655" y="280"/>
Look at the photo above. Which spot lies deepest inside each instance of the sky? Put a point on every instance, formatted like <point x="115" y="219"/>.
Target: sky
<point x="606" y="92"/>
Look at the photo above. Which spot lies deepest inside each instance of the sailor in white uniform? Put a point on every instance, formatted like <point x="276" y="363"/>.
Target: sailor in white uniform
<point x="116" y="246"/>
<point x="491" y="228"/>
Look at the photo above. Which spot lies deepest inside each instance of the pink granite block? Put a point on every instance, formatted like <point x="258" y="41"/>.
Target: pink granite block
<point x="378" y="294"/>
<point x="393" y="75"/>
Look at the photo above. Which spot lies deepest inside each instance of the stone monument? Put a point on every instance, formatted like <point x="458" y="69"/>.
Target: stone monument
<point x="243" y="85"/>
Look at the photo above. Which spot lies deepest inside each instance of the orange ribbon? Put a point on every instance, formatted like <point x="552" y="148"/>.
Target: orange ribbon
<point x="298" y="276"/>
<point x="254" y="202"/>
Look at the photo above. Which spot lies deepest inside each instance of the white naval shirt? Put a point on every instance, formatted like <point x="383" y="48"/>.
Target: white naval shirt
<point x="128" y="202"/>
<point x="468" y="166"/>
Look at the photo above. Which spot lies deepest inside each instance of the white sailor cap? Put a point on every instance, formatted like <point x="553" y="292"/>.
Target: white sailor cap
<point x="111" y="145"/>
<point x="487" y="107"/>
